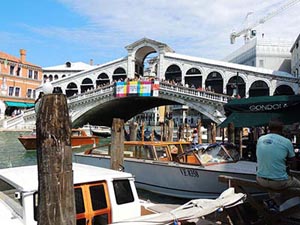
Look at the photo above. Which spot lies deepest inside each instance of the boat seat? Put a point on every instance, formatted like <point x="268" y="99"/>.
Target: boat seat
<point x="163" y="159"/>
<point x="192" y="159"/>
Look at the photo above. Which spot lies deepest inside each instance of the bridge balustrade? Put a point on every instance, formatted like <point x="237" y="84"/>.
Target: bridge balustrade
<point x="194" y="92"/>
<point x="92" y="93"/>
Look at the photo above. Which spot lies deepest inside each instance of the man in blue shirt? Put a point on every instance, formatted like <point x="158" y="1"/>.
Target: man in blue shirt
<point x="273" y="151"/>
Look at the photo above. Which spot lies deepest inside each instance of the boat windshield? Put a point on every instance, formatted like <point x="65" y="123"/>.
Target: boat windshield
<point x="218" y="153"/>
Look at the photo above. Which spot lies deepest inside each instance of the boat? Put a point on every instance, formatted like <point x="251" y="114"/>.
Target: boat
<point x="78" y="138"/>
<point x="176" y="169"/>
<point x="102" y="131"/>
<point x="19" y="186"/>
<point x="114" y="189"/>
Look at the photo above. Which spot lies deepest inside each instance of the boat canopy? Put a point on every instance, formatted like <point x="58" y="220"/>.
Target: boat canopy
<point x="257" y="111"/>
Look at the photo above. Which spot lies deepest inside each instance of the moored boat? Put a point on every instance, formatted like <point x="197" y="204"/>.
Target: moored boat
<point x="176" y="169"/>
<point x="102" y="196"/>
<point x="19" y="186"/>
<point x="78" y="138"/>
<point x="102" y="131"/>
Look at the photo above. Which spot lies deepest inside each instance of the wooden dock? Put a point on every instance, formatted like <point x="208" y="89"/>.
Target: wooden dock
<point x="254" y="211"/>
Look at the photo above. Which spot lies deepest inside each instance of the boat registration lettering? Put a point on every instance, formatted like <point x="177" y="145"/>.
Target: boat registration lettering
<point x="189" y="172"/>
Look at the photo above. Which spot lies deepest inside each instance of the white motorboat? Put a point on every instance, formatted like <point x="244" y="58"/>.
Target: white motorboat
<point x="172" y="168"/>
<point x="117" y="193"/>
<point x="22" y="182"/>
<point x="102" y="131"/>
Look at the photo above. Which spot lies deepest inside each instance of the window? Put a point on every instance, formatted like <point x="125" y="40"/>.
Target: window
<point x="123" y="191"/>
<point x="79" y="201"/>
<point x="33" y="94"/>
<point x="17" y="92"/>
<point x="29" y="92"/>
<point x="36" y="75"/>
<point x="18" y="73"/>
<point x="11" y="69"/>
<point x="98" y="197"/>
<point x="30" y="74"/>
<point x="10" y="91"/>
<point x="8" y="196"/>
<point x="261" y="63"/>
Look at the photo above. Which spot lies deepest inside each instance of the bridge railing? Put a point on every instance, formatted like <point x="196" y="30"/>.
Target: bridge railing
<point x="92" y="93"/>
<point x="194" y="92"/>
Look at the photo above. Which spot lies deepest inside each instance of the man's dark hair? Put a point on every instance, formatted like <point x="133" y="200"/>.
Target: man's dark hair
<point x="276" y="126"/>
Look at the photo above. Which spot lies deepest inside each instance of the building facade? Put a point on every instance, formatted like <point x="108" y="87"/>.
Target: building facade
<point x="65" y="70"/>
<point x="295" y="51"/>
<point x="18" y="82"/>
<point x="264" y="53"/>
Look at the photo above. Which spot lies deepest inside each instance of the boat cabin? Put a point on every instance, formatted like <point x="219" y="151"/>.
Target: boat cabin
<point x="102" y="196"/>
<point x="180" y="152"/>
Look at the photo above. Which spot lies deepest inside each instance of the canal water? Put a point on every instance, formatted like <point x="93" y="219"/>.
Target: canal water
<point x="13" y="154"/>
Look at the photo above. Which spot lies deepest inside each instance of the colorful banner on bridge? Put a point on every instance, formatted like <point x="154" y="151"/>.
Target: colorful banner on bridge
<point x="136" y="88"/>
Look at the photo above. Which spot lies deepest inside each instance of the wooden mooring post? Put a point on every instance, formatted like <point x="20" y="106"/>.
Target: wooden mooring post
<point x="117" y="144"/>
<point x="133" y="130"/>
<point x="54" y="159"/>
<point x="199" y="125"/>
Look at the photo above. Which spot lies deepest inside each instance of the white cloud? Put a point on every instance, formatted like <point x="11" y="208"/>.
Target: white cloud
<point x="196" y="27"/>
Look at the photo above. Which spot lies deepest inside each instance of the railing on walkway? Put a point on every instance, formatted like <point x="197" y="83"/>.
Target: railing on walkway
<point x="194" y="92"/>
<point x="91" y="93"/>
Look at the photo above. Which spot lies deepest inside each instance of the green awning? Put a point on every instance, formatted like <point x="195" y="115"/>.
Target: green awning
<point x="258" y="119"/>
<point x="258" y="111"/>
<point x="19" y="104"/>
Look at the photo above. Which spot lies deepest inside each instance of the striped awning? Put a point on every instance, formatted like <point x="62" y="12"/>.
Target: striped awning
<point x="19" y="104"/>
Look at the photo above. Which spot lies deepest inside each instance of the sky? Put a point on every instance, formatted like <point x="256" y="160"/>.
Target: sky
<point x="56" y="31"/>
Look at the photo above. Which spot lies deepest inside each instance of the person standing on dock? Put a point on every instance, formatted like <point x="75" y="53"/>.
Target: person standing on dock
<point x="273" y="153"/>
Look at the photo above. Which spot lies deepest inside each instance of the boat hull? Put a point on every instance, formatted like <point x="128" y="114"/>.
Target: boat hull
<point x="174" y="179"/>
<point x="29" y="142"/>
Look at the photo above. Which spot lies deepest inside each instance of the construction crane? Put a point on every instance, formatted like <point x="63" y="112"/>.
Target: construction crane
<point x="249" y="31"/>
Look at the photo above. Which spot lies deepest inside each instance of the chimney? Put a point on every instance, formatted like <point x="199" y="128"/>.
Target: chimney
<point x="91" y="62"/>
<point x="23" y="55"/>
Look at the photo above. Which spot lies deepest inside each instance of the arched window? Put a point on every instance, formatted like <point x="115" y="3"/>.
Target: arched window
<point x="87" y="84"/>
<point x="193" y="78"/>
<point x="284" y="90"/>
<point x="102" y="79"/>
<point x="173" y="73"/>
<point x="259" y="88"/>
<point x="236" y="84"/>
<point x="119" y="74"/>
<point x="71" y="89"/>
<point x="214" y="82"/>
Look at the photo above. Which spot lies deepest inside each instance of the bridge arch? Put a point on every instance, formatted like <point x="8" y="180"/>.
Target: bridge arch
<point x="259" y="88"/>
<point x="193" y="77"/>
<point x="238" y="84"/>
<point x="214" y="82"/>
<point x="141" y="63"/>
<point x="102" y="79"/>
<point x="283" y="90"/>
<point x="86" y="85"/>
<point x="173" y="72"/>
<point x="71" y="89"/>
<point x="119" y="74"/>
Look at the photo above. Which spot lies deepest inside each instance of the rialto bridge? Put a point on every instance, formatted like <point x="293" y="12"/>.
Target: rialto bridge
<point x="149" y="59"/>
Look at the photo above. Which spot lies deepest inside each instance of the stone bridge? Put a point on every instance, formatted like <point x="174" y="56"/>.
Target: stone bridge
<point x="100" y="106"/>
